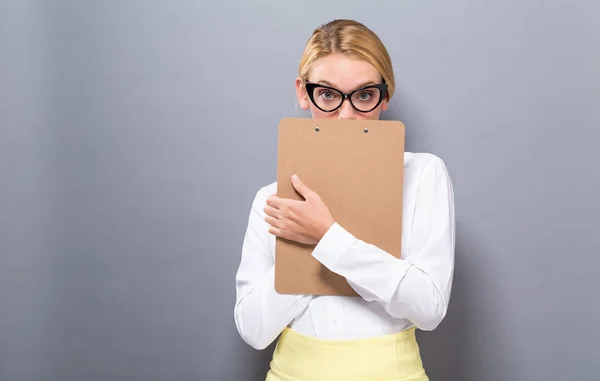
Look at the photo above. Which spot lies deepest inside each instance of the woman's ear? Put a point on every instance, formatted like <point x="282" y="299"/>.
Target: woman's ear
<point x="302" y="94"/>
<point x="386" y="102"/>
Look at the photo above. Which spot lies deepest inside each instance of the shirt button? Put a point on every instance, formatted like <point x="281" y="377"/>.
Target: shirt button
<point x="333" y="319"/>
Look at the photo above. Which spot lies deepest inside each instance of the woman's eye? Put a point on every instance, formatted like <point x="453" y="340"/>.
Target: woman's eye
<point x="328" y="94"/>
<point x="365" y="96"/>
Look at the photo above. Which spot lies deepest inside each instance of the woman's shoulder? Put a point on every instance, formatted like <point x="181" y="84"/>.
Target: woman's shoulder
<point x="418" y="162"/>
<point x="269" y="189"/>
<point x="421" y="159"/>
<point x="260" y="198"/>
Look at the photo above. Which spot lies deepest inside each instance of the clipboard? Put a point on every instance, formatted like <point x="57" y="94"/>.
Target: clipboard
<point x="357" y="168"/>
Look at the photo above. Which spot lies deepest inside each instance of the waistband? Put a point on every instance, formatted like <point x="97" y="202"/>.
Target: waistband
<point x="395" y="357"/>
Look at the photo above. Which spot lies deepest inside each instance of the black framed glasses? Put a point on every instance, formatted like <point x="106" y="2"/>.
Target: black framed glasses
<point x="329" y="99"/>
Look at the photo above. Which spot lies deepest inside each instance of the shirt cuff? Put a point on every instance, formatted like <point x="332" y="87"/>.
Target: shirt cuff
<point x="333" y="245"/>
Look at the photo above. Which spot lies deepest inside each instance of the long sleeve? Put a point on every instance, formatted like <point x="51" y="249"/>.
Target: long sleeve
<point x="260" y="312"/>
<point x="416" y="287"/>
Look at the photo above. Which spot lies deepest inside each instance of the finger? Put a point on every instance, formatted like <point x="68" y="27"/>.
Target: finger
<point x="281" y="233"/>
<point x="277" y="228"/>
<point x="270" y="211"/>
<point x="274" y="222"/>
<point x="282" y="228"/>
<point x="301" y="187"/>
<point x="274" y="202"/>
<point x="282" y="205"/>
<point x="275" y="231"/>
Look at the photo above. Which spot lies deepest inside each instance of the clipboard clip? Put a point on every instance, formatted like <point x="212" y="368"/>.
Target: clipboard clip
<point x="366" y="130"/>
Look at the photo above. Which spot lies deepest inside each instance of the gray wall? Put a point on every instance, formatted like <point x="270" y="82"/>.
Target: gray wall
<point x="134" y="135"/>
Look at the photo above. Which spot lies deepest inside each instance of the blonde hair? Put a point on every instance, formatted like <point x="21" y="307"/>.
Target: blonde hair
<point x="352" y="39"/>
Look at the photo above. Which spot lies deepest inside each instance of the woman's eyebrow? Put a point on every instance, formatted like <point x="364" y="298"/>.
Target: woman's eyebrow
<point x="366" y="84"/>
<point x="327" y="83"/>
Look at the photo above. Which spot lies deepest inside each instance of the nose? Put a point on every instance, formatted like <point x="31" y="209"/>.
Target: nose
<point x="347" y="111"/>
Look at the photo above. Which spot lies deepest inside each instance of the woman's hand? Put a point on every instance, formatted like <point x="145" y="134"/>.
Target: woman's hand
<point x="301" y="221"/>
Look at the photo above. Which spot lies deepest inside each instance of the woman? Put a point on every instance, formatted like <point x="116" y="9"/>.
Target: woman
<point x="371" y="337"/>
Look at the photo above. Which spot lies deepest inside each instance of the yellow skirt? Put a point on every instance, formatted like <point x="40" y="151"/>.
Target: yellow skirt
<point x="385" y="358"/>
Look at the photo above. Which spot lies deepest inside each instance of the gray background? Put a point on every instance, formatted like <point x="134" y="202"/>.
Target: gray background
<point x="134" y="135"/>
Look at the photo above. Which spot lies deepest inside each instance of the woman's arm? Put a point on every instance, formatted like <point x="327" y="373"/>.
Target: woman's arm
<point x="418" y="286"/>
<point x="260" y="312"/>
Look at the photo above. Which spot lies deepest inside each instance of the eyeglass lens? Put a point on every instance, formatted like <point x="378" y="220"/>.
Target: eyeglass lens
<point x="329" y="99"/>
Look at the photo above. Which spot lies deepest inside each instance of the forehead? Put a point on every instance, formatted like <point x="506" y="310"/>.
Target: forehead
<point x="344" y="73"/>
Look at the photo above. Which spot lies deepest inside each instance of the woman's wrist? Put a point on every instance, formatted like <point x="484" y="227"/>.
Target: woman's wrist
<point x="325" y="228"/>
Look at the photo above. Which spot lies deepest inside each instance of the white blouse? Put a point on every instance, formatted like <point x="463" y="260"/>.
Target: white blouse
<point x="395" y="293"/>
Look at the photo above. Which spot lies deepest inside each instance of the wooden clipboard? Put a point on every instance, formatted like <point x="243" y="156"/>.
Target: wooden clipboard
<point x="357" y="168"/>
